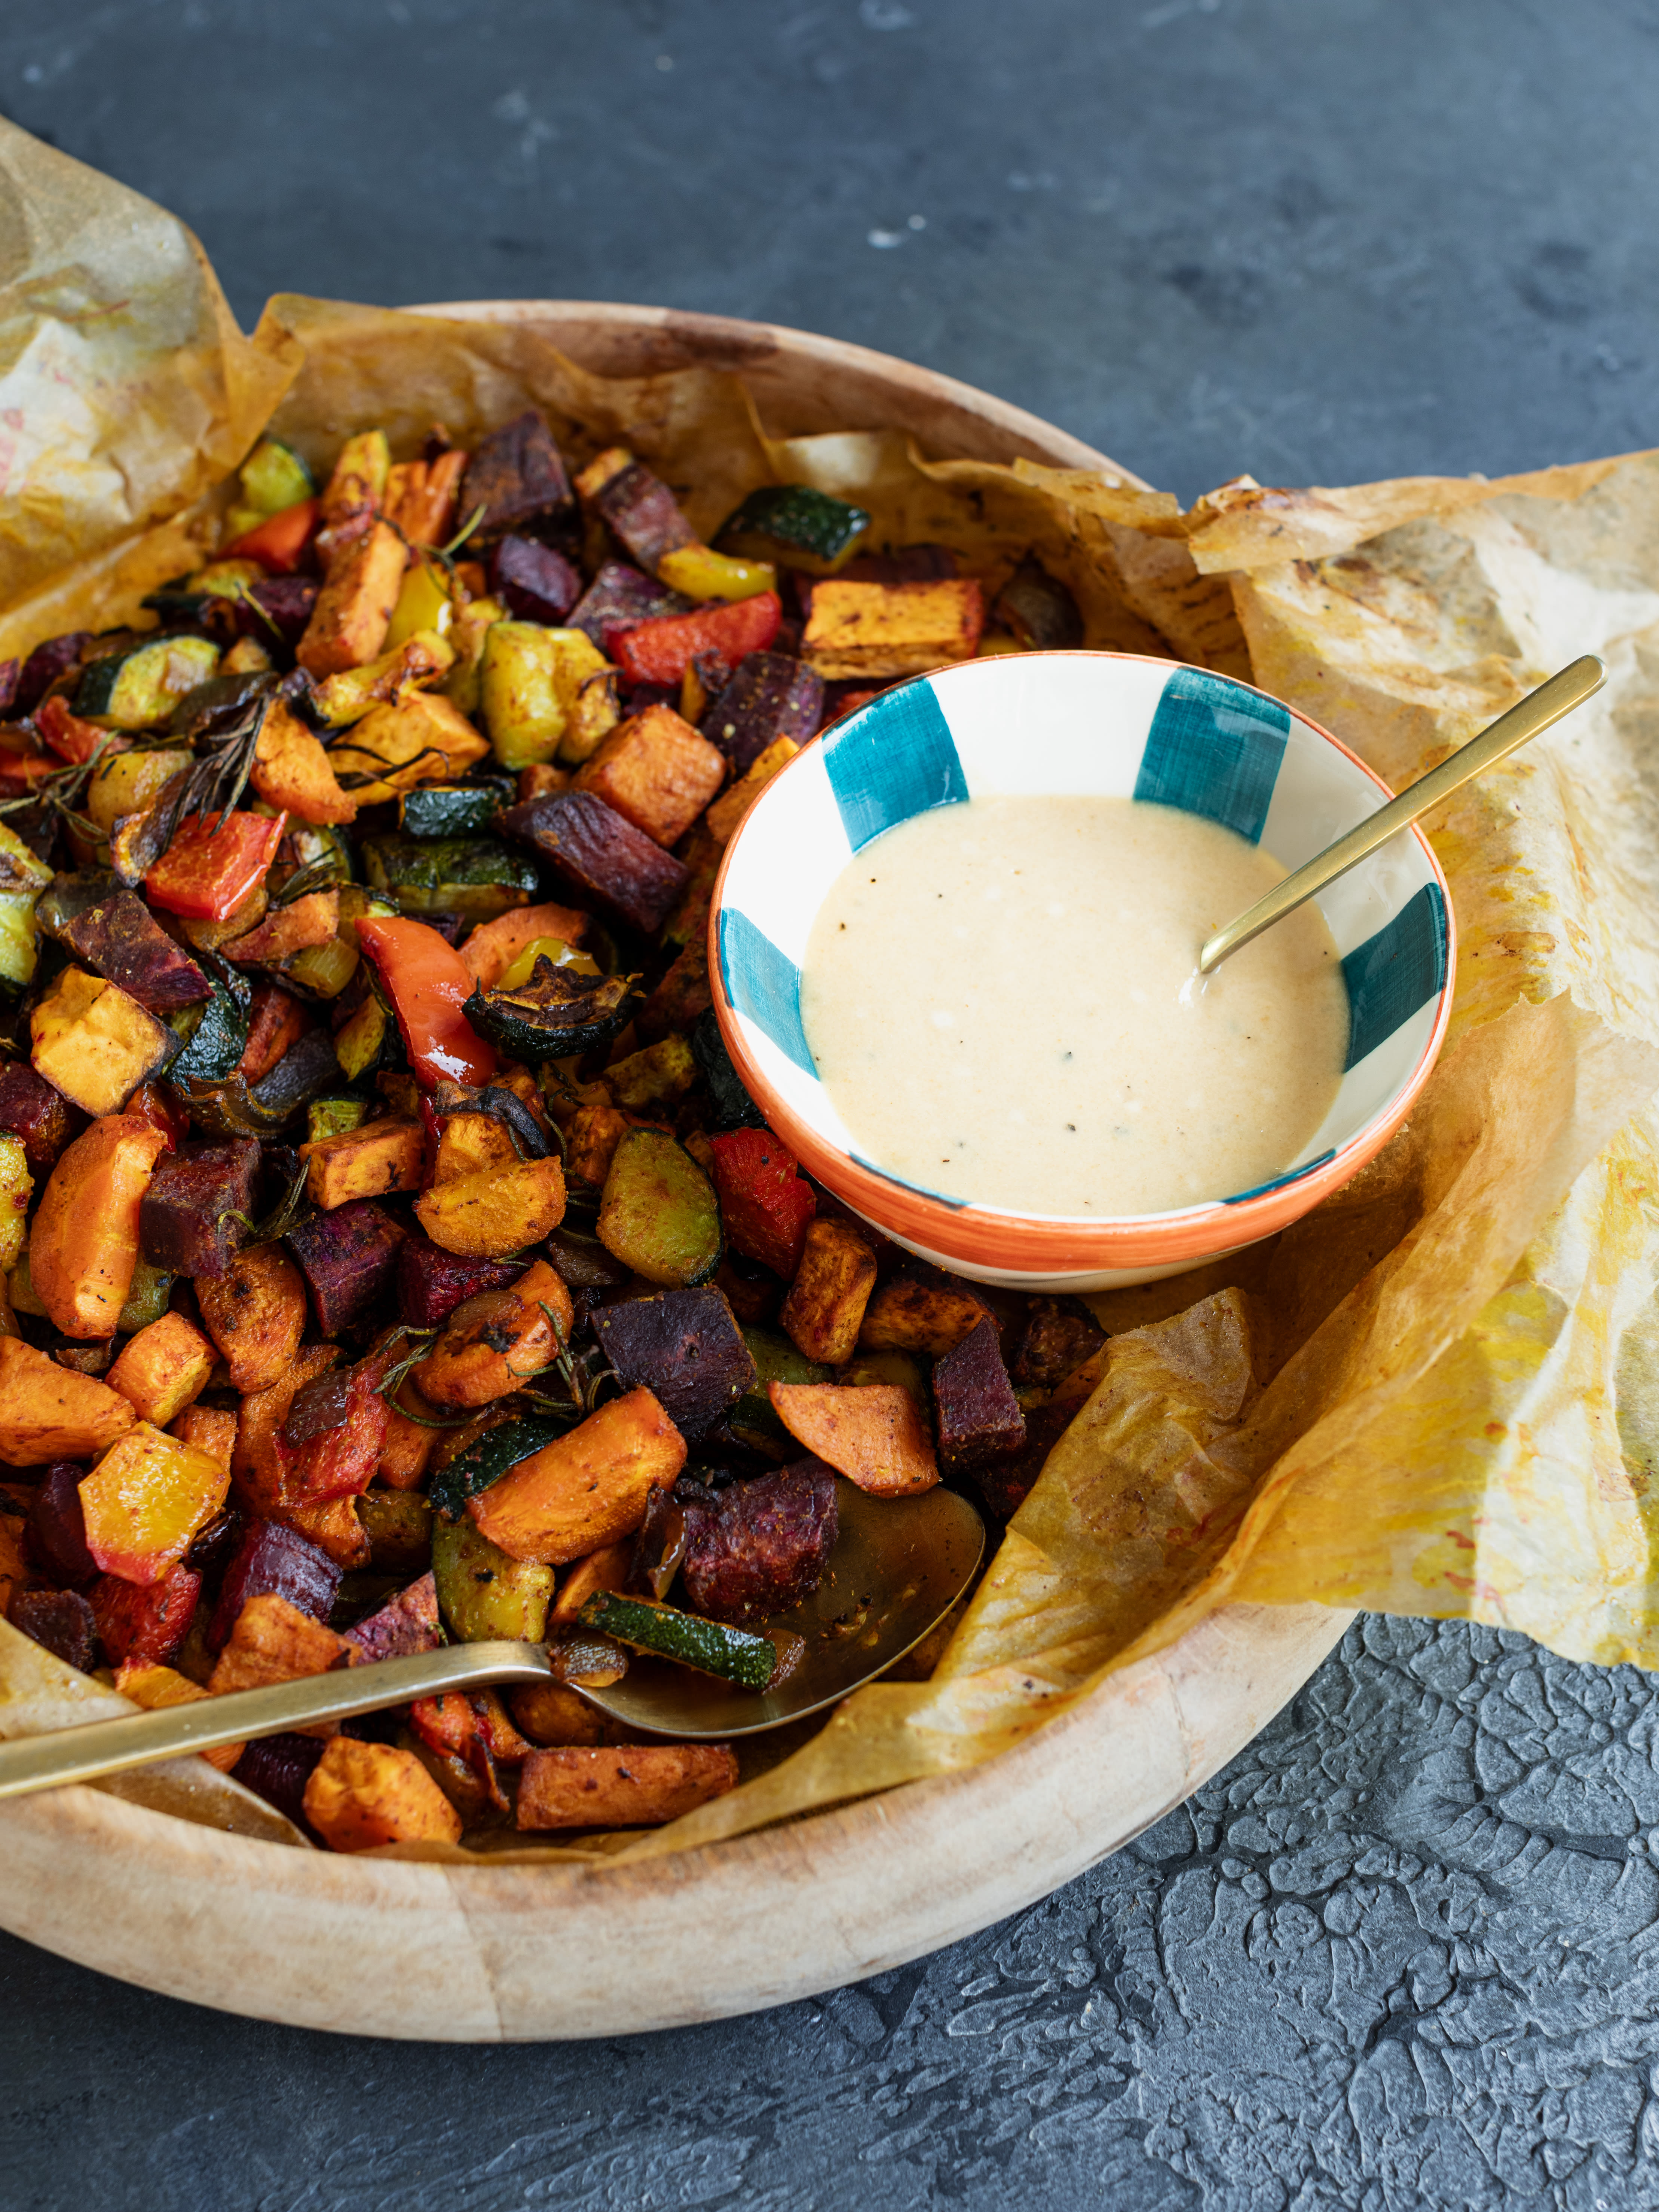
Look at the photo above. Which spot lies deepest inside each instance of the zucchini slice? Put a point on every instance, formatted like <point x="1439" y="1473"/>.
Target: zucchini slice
<point x="486" y="1460"/>
<point x="559" y="1012"/>
<point x="274" y="477"/>
<point x="470" y="876"/>
<point x="482" y="1593"/>
<point x="453" y="810"/>
<point x="793" y="523"/>
<point x="139" y="689"/>
<point x="659" y="1213"/>
<point x="215" y="1030"/>
<point x="736" y="1654"/>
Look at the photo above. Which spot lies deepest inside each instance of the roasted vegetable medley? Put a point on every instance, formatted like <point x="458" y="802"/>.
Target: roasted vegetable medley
<point x="391" y="1253"/>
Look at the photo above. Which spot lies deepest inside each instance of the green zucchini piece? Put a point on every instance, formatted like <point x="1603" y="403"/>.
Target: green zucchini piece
<point x="147" y="1298"/>
<point x="274" y="477"/>
<point x="453" y="810"/>
<point x="558" y="1013"/>
<point x="658" y="1214"/>
<point x="332" y="1117"/>
<point x="482" y="1593"/>
<point x="736" y="1654"/>
<point x="793" y="523"/>
<point x="138" y="689"/>
<point x="472" y="876"/>
<point x="486" y="1460"/>
<point x="776" y="1360"/>
<point x="360" y="1044"/>
<point x="215" y="1030"/>
<point x="398" y="1526"/>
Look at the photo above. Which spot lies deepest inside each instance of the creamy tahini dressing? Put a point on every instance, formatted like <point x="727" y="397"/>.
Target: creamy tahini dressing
<point x="1001" y="1000"/>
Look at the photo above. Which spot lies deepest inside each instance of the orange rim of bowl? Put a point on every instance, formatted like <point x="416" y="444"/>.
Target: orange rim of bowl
<point x="1045" y="1245"/>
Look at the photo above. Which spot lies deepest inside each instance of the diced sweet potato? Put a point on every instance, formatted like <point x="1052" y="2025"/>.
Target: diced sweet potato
<point x="583" y="1489"/>
<point x="292" y="771"/>
<point x="30" y="1108"/>
<point x="154" y="1687"/>
<point x="270" y="1558"/>
<point x="369" y="1162"/>
<point x="419" y="739"/>
<point x="770" y="697"/>
<point x="493" y="946"/>
<point x="263" y="1462"/>
<point x="728" y="810"/>
<point x="50" y="1413"/>
<point x="550" y="1713"/>
<point x="515" y="474"/>
<point x="603" y="858"/>
<point x="685" y="1347"/>
<point x="590" y="1142"/>
<point x="657" y="773"/>
<point x="432" y="1283"/>
<point x="362" y="1796"/>
<point x="57" y="1526"/>
<point x="209" y="1429"/>
<point x="912" y="1314"/>
<point x="353" y="612"/>
<point x="824" y="1309"/>
<point x="163" y="1368"/>
<point x="408" y="1444"/>
<point x="313" y="919"/>
<point x="119" y="940"/>
<point x="494" y="1342"/>
<point x="145" y="1500"/>
<point x="874" y="1437"/>
<point x="255" y="1312"/>
<point x="469" y="1142"/>
<point x="346" y="1256"/>
<point x="495" y="1211"/>
<point x="621" y="1786"/>
<point x="405" y="1625"/>
<point x="657" y="1076"/>
<point x="333" y="1525"/>
<point x="196" y="1207"/>
<point x="60" y="1621"/>
<point x="94" y="1042"/>
<point x="978" y="1414"/>
<point x="144" y="1625"/>
<point x="892" y="629"/>
<point x="607" y="1569"/>
<point x="83" y="1246"/>
<point x="14" y="1568"/>
<point x="421" y="496"/>
<point x="272" y="1641"/>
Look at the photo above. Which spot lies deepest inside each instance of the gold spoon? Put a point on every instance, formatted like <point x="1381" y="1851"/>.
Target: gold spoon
<point x="899" y="1565"/>
<point x="1564" y="691"/>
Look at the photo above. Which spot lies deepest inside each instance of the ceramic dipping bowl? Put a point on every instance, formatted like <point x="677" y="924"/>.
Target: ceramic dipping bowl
<point x="1094" y="724"/>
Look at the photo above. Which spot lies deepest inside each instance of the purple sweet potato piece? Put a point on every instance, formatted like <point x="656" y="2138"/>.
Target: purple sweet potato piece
<point x="57" y="1528"/>
<point x="642" y="513"/>
<point x="44" y="666"/>
<point x="618" y="598"/>
<point x="761" y="1546"/>
<point x="770" y="697"/>
<point x="516" y="474"/>
<point x="10" y="671"/>
<point x="979" y="1417"/>
<point x="61" y="1621"/>
<point x="1038" y="609"/>
<point x="277" y="1769"/>
<point x="533" y="580"/>
<point x="432" y="1283"/>
<point x="42" y="1117"/>
<point x="187" y="1220"/>
<point x="685" y="1347"/>
<point x="283" y="603"/>
<point x="1004" y="1483"/>
<point x="404" y="1624"/>
<point x="605" y="860"/>
<point x="272" y="1560"/>
<point x="900" y="564"/>
<point x="1060" y="1335"/>
<point x="120" y="940"/>
<point x="346" y="1256"/>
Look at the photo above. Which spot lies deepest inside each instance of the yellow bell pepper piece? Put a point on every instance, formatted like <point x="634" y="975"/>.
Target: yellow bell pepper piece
<point x="702" y="573"/>
<point x="425" y="602"/>
<point x="544" y="948"/>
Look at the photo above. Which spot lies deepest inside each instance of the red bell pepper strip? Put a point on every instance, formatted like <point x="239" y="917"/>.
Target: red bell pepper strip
<point x="68" y="736"/>
<point x="661" y="651"/>
<point x="205" y="877"/>
<point x="765" y="1205"/>
<point x="341" y="1461"/>
<point x="427" y="983"/>
<point x="279" y="542"/>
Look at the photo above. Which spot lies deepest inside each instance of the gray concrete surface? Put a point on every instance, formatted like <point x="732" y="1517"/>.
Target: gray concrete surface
<point x="1403" y="1954"/>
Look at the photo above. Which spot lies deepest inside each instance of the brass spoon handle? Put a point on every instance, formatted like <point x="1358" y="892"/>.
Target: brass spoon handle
<point x="1564" y="691"/>
<point x="100" y="1748"/>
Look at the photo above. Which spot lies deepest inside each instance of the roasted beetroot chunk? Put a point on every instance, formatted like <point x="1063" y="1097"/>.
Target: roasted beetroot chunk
<point x="1060" y="1335"/>
<point x="57" y="1528"/>
<point x="620" y="598"/>
<point x="187" y="1223"/>
<point x="61" y="1622"/>
<point x="685" y="1347"/>
<point x="42" y="1117"/>
<point x="345" y="1256"/>
<point x="979" y="1416"/>
<point x="1004" y="1484"/>
<point x="758" y="1546"/>
<point x="284" y="603"/>
<point x="532" y="582"/>
<point x="404" y="1624"/>
<point x="771" y="697"/>
<point x="44" y="666"/>
<point x="643" y="513"/>
<point x="603" y="858"/>
<point x="277" y="1769"/>
<point x="432" y="1283"/>
<point x="119" y="940"/>
<point x="274" y="1560"/>
<point x="144" y="1624"/>
<point x="516" y="475"/>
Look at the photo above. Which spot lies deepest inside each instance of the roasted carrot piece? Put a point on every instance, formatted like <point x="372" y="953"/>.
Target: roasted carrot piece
<point x="824" y="1309"/>
<point x="873" y="1436"/>
<point x="333" y="1525"/>
<point x="636" y="1785"/>
<point x="493" y="1344"/>
<point x="255" y="1312"/>
<point x="583" y="1489"/>
<point x="292" y="771"/>
<point x="407" y="1445"/>
<point x="605" y="1569"/>
<point x="362" y="1796"/>
<point x="209" y="1429"/>
<point x="84" y="1243"/>
<point x="353" y="612"/>
<point x="162" y="1367"/>
<point x="50" y="1413"/>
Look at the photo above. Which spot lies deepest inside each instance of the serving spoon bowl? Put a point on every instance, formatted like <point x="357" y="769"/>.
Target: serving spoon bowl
<point x="899" y="1565"/>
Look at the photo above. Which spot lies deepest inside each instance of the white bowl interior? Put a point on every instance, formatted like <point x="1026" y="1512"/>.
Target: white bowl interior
<point x="1094" y="725"/>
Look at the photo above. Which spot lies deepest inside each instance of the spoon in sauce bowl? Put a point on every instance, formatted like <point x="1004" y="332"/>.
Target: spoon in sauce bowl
<point x="1564" y="691"/>
<point x="899" y="1565"/>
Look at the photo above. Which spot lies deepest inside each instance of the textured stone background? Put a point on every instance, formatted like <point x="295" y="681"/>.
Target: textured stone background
<point x="1403" y="1952"/>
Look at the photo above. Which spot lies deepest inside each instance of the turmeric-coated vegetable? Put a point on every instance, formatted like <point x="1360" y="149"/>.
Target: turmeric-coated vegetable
<point x="94" y="1043"/>
<point x="367" y="1162"/>
<point x="144" y="1501"/>
<point x="83" y="1246"/>
<point x="494" y="1343"/>
<point x="495" y="1211"/>
<point x="586" y="1489"/>
<point x="272" y="1641"/>
<point x="362" y="1796"/>
<point x="163" y="1368"/>
<point x="153" y="1688"/>
<point x="622" y="1785"/>
<point x="255" y="1312"/>
<point x="50" y="1413"/>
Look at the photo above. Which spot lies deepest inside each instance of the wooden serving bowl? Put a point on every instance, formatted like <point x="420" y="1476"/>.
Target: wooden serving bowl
<point x="486" y="1954"/>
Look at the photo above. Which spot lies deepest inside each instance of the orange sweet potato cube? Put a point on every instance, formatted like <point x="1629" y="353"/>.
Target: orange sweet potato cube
<point x="910" y="1315"/>
<point x="583" y="1489"/>
<point x="636" y="1785"/>
<point x="824" y="1309"/>
<point x="256" y="1314"/>
<point x="491" y="1212"/>
<point x="48" y="1411"/>
<point x="145" y="1500"/>
<point x="590" y="1142"/>
<point x="368" y="1162"/>
<point x="332" y="1524"/>
<point x="154" y="1687"/>
<point x="162" y="1367"/>
<point x="408" y="1445"/>
<point x="210" y="1430"/>
<point x="874" y="1435"/>
<point x="362" y="1796"/>
<point x="469" y="1142"/>
<point x="605" y="1569"/>
<point x="354" y="608"/>
<point x="657" y="772"/>
<point x="274" y="1641"/>
<point x="292" y="771"/>
<point x="892" y="629"/>
<point x="729" y="809"/>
